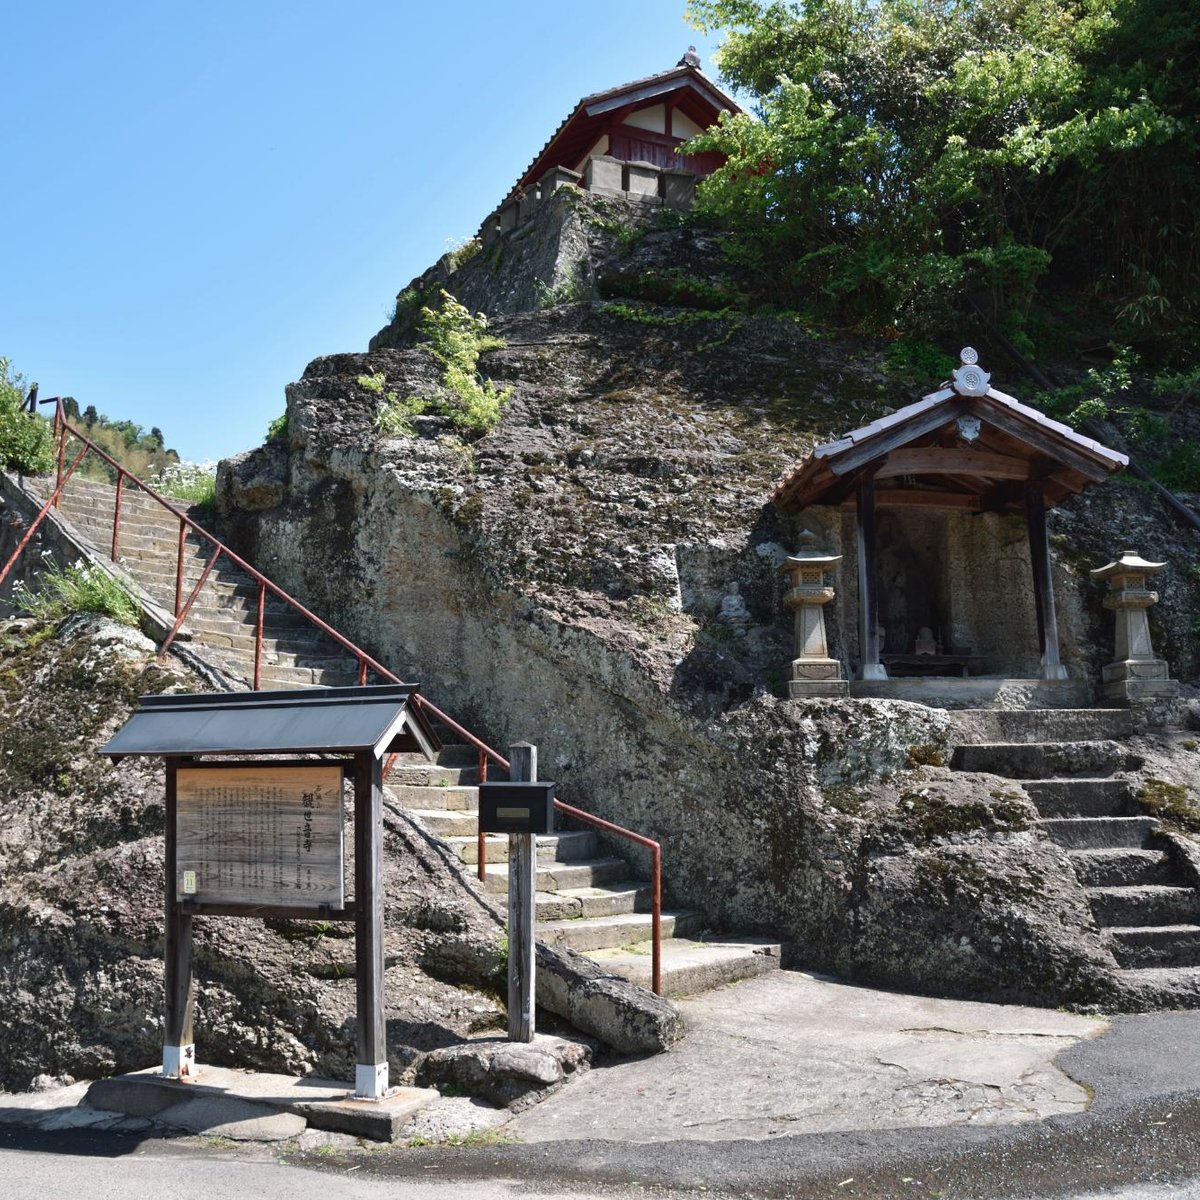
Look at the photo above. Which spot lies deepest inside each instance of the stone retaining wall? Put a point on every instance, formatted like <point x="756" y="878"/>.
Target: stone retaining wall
<point x="602" y="175"/>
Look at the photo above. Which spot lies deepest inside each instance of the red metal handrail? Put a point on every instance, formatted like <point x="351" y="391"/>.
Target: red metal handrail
<point x="62" y="428"/>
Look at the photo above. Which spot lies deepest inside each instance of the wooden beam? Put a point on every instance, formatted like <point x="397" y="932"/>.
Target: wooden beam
<point x="179" y="1051"/>
<point x="522" y="898"/>
<point x="938" y="460"/>
<point x="918" y="498"/>
<point x="898" y="435"/>
<point x="1043" y="440"/>
<point x="1043" y="581"/>
<point x="371" y="1064"/>
<point x="868" y="605"/>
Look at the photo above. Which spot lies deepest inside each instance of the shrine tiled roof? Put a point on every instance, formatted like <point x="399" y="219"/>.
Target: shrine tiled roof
<point x="923" y="444"/>
<point x="580" y="129"/>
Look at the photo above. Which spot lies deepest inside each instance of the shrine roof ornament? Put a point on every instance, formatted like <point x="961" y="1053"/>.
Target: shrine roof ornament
<point x="964" y="446"/>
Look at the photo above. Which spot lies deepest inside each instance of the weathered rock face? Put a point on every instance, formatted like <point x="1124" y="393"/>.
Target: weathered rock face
<point x="81" y="867"/>
<point x="562" y="578"/>
<point x="547" y="620"/>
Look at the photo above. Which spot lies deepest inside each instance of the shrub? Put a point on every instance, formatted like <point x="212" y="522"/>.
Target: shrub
<point x="278" y="428"/>
<point x="456" y="338"/>
<point x="26" y="443"/>
<point x="80" y="588"/>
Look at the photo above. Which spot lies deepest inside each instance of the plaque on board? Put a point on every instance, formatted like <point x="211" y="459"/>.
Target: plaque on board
<point x="260" y="834"/>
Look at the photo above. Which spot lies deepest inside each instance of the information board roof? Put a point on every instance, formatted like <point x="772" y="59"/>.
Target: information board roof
<point x="381" y="718"/>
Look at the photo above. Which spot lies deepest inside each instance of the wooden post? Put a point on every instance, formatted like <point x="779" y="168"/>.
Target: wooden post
<point x="371" y="1069"/>
<point x="179" y="1045"/>
<point x="1043" y="581"/>
<point x="522" y="886"/>
<point x="868" y="600"/>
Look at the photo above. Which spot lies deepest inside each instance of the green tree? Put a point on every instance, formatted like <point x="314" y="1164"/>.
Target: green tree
<point x="910" y="152"/>
<point x="25" y="438"/>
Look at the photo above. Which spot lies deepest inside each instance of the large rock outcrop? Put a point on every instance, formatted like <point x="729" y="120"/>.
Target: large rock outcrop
<point x="562" y="579"/>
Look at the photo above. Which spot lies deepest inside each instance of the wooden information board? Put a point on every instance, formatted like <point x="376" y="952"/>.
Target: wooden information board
<point x="260" y="834"/>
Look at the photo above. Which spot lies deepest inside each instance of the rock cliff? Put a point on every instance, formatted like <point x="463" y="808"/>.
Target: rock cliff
<point x="598" y="574"/>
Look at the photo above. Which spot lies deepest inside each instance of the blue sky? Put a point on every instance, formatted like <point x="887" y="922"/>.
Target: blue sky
<point x="201" y="198"/>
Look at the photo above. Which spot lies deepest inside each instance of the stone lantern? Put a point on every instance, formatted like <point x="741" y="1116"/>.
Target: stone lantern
<point x="814" y="673"/>
<point x="1135" y="673"/>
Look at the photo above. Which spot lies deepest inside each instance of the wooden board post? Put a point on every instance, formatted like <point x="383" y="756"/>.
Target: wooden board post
<point x="371" y="1069"/>
<point x="522" y="886"/>
<point x="1043" y="580"/>
<point x="179" y="1043"/>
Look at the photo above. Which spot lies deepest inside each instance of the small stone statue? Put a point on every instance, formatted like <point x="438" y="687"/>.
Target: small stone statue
<point x="926" y="642"/>
<point x="733" y="608"/>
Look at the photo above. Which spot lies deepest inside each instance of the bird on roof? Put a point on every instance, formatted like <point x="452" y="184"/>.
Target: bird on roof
<point x="690" y="59"/>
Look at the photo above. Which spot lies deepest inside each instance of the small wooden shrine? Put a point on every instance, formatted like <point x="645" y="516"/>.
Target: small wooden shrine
<point x="965" y="448"/>
<point x="643" y="121"/>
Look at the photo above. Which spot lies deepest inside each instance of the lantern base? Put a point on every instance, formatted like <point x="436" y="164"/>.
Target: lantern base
<point x="813" y="676"/>
<point x="1139" y="691"/>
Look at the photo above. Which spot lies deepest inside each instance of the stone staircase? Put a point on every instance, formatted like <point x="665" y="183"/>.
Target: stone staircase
<point x="223" y="619"/>
<point x="1145" y="905"/>
<point x="587" y="897"/>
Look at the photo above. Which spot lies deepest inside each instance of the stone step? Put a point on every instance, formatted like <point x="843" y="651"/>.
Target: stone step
<point x="571" y="846"/>
<point x="1099" y="833"/>
<point x="136" y="533"/>
<point x="447" y="823"/>
<point x="1041" y="760"/>
<point x="1122" y="868"/>
<point x="1082" y="797"/>
<point x="275" y="678"/>
<point x="449" y="798"/>
<point x="618" y="899"/>
<point x="1144" y="989"/>
<point x="235" y="624"/>
<point x="556" y="877"/>
<point x="428" y="775"/>
<point x="310" y="659"/>
<point x="135" y="505"/>
<point x="996" y="725"/>
<point x="1161" y="946"/>
<point x="603" y="933"/>
<point x="693" y="966"/>
<point x="1146" y="905"/>
<point x="452" y="755"/>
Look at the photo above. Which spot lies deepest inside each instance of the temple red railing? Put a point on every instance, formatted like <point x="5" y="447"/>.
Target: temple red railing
<point x="366" y="664"/>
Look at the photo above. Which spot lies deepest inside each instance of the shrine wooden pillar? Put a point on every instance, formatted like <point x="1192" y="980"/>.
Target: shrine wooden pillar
<point x="179" y="1042"/>
<point x="1043" y="581"/>
<point x="868" y="587"/>
<point x="371" y="1066"/>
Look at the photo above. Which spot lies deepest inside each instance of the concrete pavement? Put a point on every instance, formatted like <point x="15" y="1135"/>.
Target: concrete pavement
<point x="792" y="1053"/>
<point x="859" y="1093"/>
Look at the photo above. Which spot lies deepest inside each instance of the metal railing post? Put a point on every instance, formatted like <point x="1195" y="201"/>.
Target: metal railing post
<point x="62" y="452"/>
<point x="481" y="837"/>
<point x="656" y="920"/>
<point x="258" y="636"/>
<point x="117" y="514"/>
<point x="179" y="567"/>
<point x="212" y="562"/>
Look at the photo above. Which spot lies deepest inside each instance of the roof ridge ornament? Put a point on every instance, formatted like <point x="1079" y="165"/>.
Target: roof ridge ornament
<point x="970" y="379"/>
